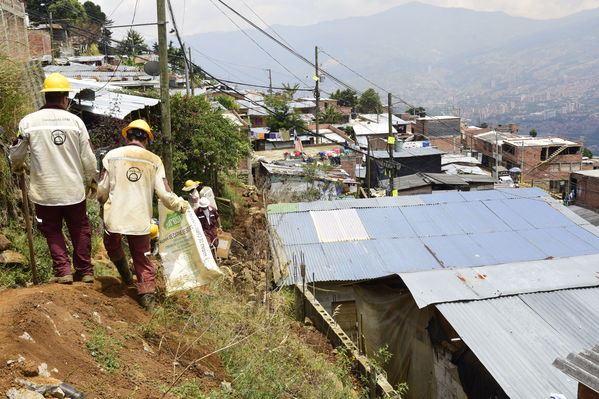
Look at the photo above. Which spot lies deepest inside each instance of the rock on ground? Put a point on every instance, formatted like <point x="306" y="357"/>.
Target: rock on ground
<point x="4" y="242"/>
<point x="23" y="394"/>
<point x="12" y="258"/>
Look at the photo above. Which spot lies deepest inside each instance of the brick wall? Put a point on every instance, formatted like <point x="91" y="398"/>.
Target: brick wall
<point x="587" y="190"/>
<point x="39" y="43"/>
<point x="527" y="157"/>
<point x="13" y="31"/>
<point x="447" y="144"/>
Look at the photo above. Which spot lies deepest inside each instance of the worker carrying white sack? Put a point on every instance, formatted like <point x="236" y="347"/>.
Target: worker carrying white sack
<point x="128" y="182"/>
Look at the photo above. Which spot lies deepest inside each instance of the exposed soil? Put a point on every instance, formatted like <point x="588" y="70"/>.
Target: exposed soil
<point x="61" y="320"/>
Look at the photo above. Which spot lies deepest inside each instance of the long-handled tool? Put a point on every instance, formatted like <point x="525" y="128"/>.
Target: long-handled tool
<point x="28" y="225"/>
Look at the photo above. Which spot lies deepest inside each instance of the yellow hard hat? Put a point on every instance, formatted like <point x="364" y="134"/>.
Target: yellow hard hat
<point x="139" y="124"/>
<point x="153" y="230"/>
<point x="190" y="185"/>
<point x="56" y="82"/>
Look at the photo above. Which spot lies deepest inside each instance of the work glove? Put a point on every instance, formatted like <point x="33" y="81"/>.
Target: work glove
<point x="92" y="189"/>
<point x="183" y="206"/>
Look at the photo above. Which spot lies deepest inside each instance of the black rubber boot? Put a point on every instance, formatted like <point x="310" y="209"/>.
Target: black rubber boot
<point x="147" y="301"/>
<point x="124" y="271"/>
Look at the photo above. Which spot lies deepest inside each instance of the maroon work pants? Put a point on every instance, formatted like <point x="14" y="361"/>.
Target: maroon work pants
<point x="139" y="247"/>
<point x="50" y="220"/>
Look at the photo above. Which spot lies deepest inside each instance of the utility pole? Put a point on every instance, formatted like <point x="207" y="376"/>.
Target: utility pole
<point x="269" y="81"/>
<point x="186" y="72"/>
<point x="390" y="144"/>
<point x="165" y="106"/>
<point x="317" y="93"/>
<point x="190" y="71"/>
<point x="496" y="173"/>
<point x="51" y="37"/>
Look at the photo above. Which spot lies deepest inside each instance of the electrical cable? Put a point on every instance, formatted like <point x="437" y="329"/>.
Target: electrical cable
<point x="255" y="42"/>
<point x="134" y="12"/>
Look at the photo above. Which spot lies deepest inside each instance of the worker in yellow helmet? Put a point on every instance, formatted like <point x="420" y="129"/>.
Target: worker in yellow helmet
<point x="63" y="171"/>
<point x="192" y="186"/>
<point x="128" y="182"/>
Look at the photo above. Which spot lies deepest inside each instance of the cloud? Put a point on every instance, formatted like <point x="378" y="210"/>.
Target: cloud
<point x="197" y="16"/>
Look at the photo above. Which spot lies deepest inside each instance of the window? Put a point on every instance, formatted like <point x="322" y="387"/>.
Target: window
<point x="575" y="167"/>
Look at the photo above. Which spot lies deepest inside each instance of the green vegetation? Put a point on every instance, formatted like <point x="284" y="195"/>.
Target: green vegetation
<point x="369" y="102"/>
<point x="345" y="98"/>
<point x="104" y="348"/>
<point x="532" y="133"/>
<point x="420" y="111"/>
<point x="228" y="102"/>
<point x="281" y="116"/>
<point x="330" y="115"/>
<point x="587" y="153"/>
<point x="257" y="344"/>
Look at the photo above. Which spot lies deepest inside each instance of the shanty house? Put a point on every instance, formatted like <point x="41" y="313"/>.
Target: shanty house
<point x="473" y="293"/>
<point x="405" y="162"/>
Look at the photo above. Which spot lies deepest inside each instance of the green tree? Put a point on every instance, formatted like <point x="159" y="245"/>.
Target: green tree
<point x="345" y="98"/>
<point x="228" y="102"/>
<point x="369" y="102"/>
<point x="330" y="115"/>
<point x="484" y="125"/>
<point x="204" y="142"/>
<point x="532" y="133"/>
<point x="289" y="90"/>
<point x="587" y="153"/>
<point x="420" y="111"/>
<point x="67" y="10"/>
<point x="281" y="116"/>
<point x="132" y="44"/>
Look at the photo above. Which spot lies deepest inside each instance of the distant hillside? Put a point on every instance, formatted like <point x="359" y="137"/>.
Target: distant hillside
<point x="438" y="57"/>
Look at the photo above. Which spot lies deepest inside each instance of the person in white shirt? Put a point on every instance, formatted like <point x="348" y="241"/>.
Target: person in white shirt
<point x="63" y="170"/>
<point x="128" y="181"/>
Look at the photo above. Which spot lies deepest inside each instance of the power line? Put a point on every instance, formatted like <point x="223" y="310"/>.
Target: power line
<point x="255" y="42"/>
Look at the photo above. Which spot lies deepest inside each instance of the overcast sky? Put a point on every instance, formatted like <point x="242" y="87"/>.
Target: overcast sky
<point x="196" y="16"/>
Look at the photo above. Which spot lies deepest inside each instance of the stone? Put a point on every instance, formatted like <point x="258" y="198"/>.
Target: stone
<point x="209" y="374"/>
<point x="9" y="257"/>
<point x="226" y="386"/>
<point x="42" y="370"/>
<point x="29" y="369"/>
<point x="57" y="393"/>
<point x="4" y="242"/>
<point x="22" y="393"/>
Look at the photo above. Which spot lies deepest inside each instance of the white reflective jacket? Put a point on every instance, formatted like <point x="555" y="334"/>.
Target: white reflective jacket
<point x="62" y="161"/>
<point x="130" y="177"/>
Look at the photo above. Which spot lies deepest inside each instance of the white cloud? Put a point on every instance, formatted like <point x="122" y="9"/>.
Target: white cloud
<point x="196" y="16"/>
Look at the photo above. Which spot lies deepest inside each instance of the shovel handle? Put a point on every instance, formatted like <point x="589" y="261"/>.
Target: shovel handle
<point x="28" y="226"/>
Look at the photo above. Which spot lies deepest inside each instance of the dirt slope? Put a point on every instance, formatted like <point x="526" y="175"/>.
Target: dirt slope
<point x="68" y="323"/>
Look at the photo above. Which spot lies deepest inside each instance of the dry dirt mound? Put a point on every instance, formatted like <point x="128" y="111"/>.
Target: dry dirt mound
<point x="91" y="337"/>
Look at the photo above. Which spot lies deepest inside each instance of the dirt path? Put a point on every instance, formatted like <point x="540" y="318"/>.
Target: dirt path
<point x="63" y="326"/>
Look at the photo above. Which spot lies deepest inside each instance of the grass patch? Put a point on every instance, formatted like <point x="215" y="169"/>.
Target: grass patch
<point x="104" y="348"/>
<point x="258" y="346"/>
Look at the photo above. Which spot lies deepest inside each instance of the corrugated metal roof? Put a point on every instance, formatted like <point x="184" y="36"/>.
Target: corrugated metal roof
<point x="473" y="283"/>
<point x="517" y="337"/>
<point x="338" y="225"/>
<point x="583" y="367"/>
<point x="408" y="152"/>
<point x="109" y="100"/>
<point x="443" y="230"/>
